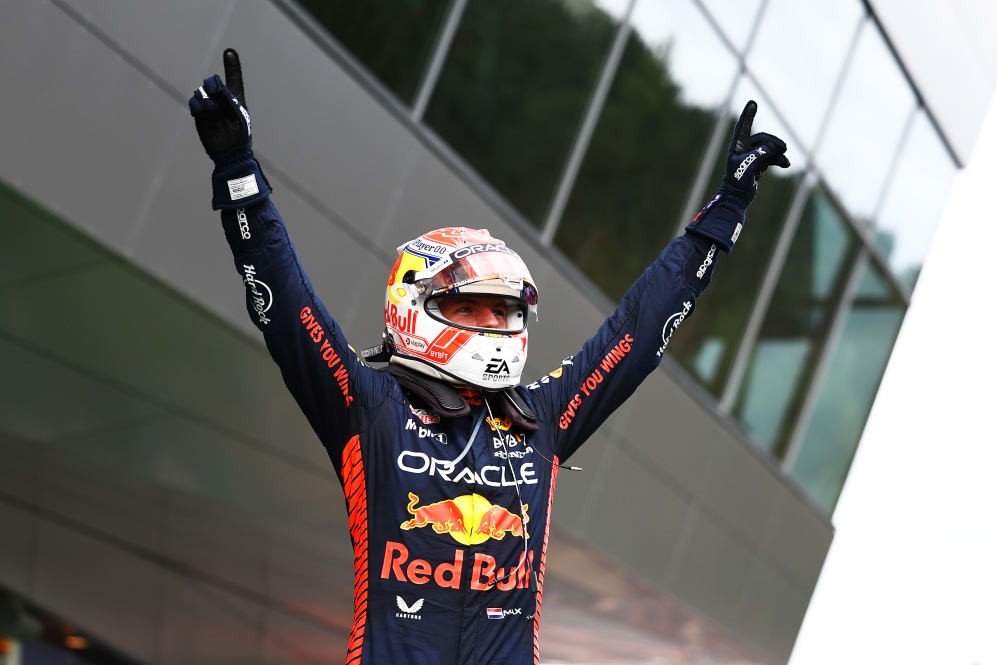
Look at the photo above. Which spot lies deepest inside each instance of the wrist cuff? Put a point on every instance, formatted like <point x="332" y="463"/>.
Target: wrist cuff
<point x="722" y="219"/>
<point x="238" y="180"/>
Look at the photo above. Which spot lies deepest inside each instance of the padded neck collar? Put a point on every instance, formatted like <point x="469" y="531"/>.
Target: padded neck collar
<point x="445" y="399"/>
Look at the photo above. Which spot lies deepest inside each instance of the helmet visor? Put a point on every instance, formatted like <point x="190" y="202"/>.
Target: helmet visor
<point x="500" y="266"/>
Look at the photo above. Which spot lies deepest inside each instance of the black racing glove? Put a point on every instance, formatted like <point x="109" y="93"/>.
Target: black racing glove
<point x="748" y="156"/>
<point x="226" y="132"/>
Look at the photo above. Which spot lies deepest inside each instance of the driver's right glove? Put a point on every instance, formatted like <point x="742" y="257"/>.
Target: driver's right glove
<point x="226" y="132"/>
<point x="748" y="155"/>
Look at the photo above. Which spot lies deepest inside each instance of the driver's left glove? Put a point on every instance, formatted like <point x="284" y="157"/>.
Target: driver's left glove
<point x="748" y="155"/>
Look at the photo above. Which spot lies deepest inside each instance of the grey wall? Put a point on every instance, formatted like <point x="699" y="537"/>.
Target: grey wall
<point x="96" y="129"/>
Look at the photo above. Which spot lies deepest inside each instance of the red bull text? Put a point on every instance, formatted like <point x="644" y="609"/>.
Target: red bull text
<point x="398" y="565"/>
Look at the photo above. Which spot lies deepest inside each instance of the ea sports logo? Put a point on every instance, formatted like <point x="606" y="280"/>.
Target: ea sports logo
<point x="497" y="366"/>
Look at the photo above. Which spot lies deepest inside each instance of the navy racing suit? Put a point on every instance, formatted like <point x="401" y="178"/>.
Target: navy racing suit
<point x="433" y="513"/>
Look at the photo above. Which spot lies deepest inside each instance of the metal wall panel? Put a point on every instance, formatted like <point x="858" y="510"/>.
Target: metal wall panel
<point x="188" y="607"/>
<point x="106" y="591"/>
<point x="17" y="553"/>
<point x="711" y="570"/>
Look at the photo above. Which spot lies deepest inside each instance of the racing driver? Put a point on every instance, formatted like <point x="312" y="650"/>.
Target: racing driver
<point x="447" y="463"/>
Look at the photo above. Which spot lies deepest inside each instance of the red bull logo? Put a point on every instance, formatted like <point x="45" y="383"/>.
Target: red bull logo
<point x="469" y="519"/>
<point x="503" y="425"/>
<point x="497" y="521"/>
<point x="499" y="424"/>
<point x="444" y="516"/>
<point x="403" y="324"/>
<point x="399" y="564"/>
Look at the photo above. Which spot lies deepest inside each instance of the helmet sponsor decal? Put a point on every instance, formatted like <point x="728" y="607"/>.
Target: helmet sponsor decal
<point x="497" y="369"/>
<point x="405" y="324"/>
<point x="456" y="236"/>
<point x="420" y="245"/>
<point x="443" y="348"/>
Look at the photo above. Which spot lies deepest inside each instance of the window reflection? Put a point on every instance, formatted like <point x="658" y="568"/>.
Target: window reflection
<point x="798" y="55"/>
<point x="643" y="156"/>
<point x="914" y="200"/>
<point x="708" y="341"/>
<point x="393" y="38"/>
<point x="846" y="394"/>
<point x="796" y="322"/>
<point x="514" y="88"/>
<point x="869" y="116"/>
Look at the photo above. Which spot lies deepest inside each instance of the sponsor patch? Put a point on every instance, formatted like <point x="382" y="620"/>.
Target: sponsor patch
<point x="425" y="415"/>
<point x="425" y="432"/>
<point x="260" y="295"/>
<point x="672" y="324"/>
<point x="240" y="216"/>
<point x="485" y="576"/>
<point x="406" y="611"/>
<point x="707" y="262"/>
<point x="418" y="462"/>
<point x="739" y="173"/>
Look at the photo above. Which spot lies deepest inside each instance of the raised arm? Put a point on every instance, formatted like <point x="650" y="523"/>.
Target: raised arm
<point x="580" y="394"/>
<point x="330" y="385"/>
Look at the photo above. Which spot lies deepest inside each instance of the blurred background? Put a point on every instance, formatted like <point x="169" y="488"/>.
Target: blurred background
<point x="161" y="498"/>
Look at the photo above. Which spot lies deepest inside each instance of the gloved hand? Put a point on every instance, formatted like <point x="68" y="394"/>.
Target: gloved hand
<point x="748" y="155"/>
<point x="226" y="132"/>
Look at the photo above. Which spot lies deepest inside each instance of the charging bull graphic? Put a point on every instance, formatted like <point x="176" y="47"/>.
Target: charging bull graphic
<point x="445" y="516"/>
<point x="469" y="519"/>
<point x="498" y="520"/>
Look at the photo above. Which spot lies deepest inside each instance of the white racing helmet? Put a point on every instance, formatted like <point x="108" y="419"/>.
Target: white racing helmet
<point x="448" y="262"/>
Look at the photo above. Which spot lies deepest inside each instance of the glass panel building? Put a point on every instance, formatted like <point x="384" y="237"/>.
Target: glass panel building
<point x="603" y="125"/>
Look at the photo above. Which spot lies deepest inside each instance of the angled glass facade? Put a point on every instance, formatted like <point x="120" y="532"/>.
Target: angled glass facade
<point x="603" y="123"/>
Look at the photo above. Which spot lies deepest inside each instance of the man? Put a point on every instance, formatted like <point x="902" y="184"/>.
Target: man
<point x="449" y="465"/>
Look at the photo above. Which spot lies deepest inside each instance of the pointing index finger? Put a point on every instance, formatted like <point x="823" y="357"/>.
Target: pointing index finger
<point x="233" y="74"/>
<point x="741" y="141"/>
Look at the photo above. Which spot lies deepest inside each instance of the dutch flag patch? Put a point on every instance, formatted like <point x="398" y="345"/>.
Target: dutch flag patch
<point x="494" y="612"/>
